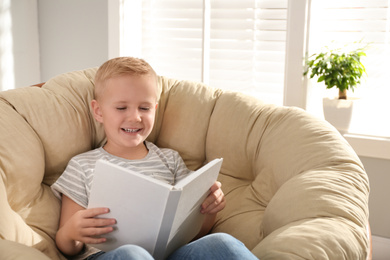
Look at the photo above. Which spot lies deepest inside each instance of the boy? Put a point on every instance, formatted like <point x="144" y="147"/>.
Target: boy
<point x="126" y="97"/>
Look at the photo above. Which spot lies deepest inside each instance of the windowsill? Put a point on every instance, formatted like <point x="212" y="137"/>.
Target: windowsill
<point x="369" y="146"/>
<point x="369" y="130"/>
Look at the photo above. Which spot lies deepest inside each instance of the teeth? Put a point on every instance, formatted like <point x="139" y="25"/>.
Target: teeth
<point x="130" y="130"/>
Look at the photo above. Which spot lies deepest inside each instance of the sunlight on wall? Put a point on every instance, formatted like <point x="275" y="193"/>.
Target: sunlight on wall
<point x="130" y="29"/>
<point x="7" y="75"/>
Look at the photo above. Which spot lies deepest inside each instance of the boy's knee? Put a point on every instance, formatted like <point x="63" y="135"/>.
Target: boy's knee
<point x="224" y="238"/>
<point x="133" y="252"/>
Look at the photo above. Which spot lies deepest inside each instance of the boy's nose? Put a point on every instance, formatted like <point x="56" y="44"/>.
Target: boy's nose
<point x="134" y="116"/>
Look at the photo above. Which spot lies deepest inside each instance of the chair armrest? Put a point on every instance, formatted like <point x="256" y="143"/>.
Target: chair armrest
<point x="16" y="251"/>
<point x="321" y="212"/>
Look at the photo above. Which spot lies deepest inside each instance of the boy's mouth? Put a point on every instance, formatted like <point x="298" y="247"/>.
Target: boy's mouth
<point x="131" y="130"/>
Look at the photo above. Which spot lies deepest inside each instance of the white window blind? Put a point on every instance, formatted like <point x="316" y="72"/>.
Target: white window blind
<point x="234" y="45"/>
<point x="339" y="22"/>
<point x="172" y="37"/>
<point x="247" y="47"/>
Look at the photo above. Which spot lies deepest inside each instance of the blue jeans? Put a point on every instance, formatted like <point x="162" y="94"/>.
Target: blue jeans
<point x="218" y="246"/>
<point x="128" y="252"/>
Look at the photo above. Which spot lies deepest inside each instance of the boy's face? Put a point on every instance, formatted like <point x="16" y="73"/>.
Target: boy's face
<point x="126" y="108"/>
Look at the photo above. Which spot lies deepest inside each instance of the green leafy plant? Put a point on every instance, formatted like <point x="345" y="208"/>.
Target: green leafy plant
<point x="337" y="68"/>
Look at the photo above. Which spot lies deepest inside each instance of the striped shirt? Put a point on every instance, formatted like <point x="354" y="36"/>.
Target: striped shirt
<point x="160" y="163"/>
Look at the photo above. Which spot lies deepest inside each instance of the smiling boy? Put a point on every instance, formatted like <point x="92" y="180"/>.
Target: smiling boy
<point x="126" y="99"/>
<point x="126" y="106"/>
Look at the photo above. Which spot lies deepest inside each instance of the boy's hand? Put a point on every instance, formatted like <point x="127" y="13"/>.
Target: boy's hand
<point x="215" y="202"/>
<point x="79" y="226"/>
<point x="83" y="226"/>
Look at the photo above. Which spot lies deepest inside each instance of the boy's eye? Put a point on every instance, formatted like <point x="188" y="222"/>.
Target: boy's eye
<point x="144" y="108"/>
<point x="121" y="108"/>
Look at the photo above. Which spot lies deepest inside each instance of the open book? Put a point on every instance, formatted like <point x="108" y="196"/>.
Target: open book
<point x="150" y="213"/>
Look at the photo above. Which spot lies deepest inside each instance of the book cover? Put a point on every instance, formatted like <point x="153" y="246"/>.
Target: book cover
<point x="150" y="213"/>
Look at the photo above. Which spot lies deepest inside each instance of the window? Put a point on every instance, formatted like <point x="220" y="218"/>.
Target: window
<point x="340" y="22"/>
<point x="241" y="46"/>
<point x="234" y="45"/>
<point x="172" y="37"/>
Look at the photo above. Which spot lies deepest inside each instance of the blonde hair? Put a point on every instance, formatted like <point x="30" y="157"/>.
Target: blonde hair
<point x="122" y="66"/>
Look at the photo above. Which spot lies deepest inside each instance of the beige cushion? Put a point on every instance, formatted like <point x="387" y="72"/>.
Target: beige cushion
<point x="294" y="187"/>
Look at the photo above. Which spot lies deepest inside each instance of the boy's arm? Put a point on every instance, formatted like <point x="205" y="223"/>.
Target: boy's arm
<point x="206" y="226"/>
<point x="79" y="226"/>
<point x="214" y="203"/>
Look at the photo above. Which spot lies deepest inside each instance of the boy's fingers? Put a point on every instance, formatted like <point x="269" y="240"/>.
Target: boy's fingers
<point x="91" y="220"/>
<point x="215" y="193"/>
<point x="94" y="239"/>
<point x="95" y="232"/>
<point x="216" y="209"/>
<point x="217" y="185"/>
<point x="214" y="202"/>
<point x="101" y="222"/>
<point x="212" y="209"/>
<point x="93" y="212"/>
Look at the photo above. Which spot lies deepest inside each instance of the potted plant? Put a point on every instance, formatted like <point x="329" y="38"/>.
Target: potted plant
<point x="341" y="69"/>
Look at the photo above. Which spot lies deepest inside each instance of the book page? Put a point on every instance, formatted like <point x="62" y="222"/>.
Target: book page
<point x="136" y="201"/>
<point x="195" y="188"/>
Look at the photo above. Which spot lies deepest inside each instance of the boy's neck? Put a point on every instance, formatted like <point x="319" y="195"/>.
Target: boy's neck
<point x="134" y="153"/>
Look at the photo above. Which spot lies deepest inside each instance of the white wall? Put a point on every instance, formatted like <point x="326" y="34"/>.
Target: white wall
<point x="378" y="171"/>
<point x="19" y="44"/>
<point x="73" y="35"/>
<point x="26" y="43"/>
<point x="42" y="38"/>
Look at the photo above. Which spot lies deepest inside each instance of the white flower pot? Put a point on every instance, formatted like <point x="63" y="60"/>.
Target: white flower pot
<point x="338" y="112"/>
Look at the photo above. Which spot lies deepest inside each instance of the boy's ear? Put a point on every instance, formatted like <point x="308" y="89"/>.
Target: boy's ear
<point x="97" y="113"/>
